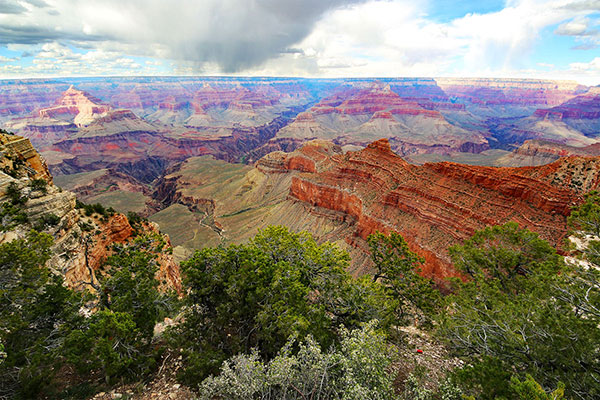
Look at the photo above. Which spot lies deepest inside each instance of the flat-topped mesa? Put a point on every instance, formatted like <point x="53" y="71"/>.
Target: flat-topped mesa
<point x="438" y="205"/>
<point x="374" y="100"/>
<point x="355" y="114"/>
<point x="490" y="92"/>
<point x="552" y="149"/>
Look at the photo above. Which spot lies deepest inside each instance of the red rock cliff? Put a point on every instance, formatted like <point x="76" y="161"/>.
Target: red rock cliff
<point x="440" y="204"/>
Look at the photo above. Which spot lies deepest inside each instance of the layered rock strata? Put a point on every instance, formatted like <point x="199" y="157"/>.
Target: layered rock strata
<point x="81" y="242"/>
<point x="344" y="197"/>
<point x="438" y="204"/>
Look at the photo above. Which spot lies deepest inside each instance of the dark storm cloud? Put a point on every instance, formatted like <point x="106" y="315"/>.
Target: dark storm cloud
<point x="36" y="35"/>
<point x="234" y="34"/>
<point x="11" y="7"/>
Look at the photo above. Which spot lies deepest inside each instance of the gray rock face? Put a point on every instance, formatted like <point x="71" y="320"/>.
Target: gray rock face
<point x="54" y="202"/>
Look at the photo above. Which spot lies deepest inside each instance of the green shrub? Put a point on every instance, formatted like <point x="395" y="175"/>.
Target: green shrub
<point x="258" y="294"/>
<point x="97" y="208"/>
<point x="357" y="369"/>
<point x="398" y="268"/>
<point x="36" y="310"/>
<point x="117" y="339"/>
<point x="519" y="314"/>
<point x="39" y="185"/>
<point x="15" y="195"/>
<point x="11" y="216"/>
<point x="47" y="220"/>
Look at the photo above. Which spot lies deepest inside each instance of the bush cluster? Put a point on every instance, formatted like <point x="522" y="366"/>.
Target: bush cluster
<point x="281" y="318"/>
<point x="96" y="208"/>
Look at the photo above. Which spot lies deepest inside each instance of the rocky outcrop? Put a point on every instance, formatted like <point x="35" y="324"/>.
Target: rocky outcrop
<point x="78" y="105"/>
<point x="146" y="155"/>
<point x="439" y="204"/>
<point x="356" y="115"/>
<point x="584" y="106"/>
<point x="81" y="242"/>
<point x="185" y="117"/>
<point x="523" y="92"/>
<point x="344" y="197"/>
<point x="18" y="156"/>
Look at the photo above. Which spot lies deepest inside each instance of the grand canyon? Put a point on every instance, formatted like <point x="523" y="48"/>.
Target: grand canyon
<point x="299" y="200"/>
<point x="128" y="178"/>
<point x="213" y="160"/>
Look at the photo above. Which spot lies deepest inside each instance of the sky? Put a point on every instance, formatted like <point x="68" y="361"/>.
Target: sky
<point x="549" y="39"/>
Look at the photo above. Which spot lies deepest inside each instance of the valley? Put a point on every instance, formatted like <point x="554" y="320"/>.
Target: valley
<point x="212" y="160"/>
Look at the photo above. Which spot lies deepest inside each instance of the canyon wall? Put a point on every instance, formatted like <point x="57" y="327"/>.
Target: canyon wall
<point x="81" y="242"/>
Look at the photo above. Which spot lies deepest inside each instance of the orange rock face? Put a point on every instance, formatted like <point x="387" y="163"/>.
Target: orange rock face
<point x="116" y="230"/>
<point x="437" y="205"/>
<point x="21" y="148"/>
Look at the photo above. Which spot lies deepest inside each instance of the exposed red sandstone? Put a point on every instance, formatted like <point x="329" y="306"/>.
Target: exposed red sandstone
<point x="93" y="255"/>
<point x="13" y="148"/>
<point x="81" y="106"/>
<point x="439" y="204"/>
<point x="540" y="152"/>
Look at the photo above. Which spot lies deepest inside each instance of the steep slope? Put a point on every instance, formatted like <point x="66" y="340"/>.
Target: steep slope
<point x="210" y="202"/>
<point x="81" y="242"/>
<point x="510" y="92"/>
<point x="581" y="113"/>
<point x="18" y="98"/>
<point x="417" y="115"/>
<point x="346" y="197"/>
<point x="76" y="105"/>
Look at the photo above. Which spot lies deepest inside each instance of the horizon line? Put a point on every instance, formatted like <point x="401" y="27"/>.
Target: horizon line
<point x="288" y="77"/>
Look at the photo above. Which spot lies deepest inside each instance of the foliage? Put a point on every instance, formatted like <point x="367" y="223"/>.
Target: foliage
<point x="117" y="338"/>
<point x="513" y="317"/>
<point x="111" y="342"/>
<point x="136" y="221"/>
<point x="35" y="311"/>
<point x="586" y="217"/>
<point x="258" y="294"/>
<point x="97" y="208"/>
<point x="14" y="194"/>
<point x="49" y="219"/>
<point x="11" y="216"/>
<point x="505" y="255"/>
<point x="415" y="388"/>
<point x="357" y="369"/>
<point x="529" y="389"/>
<point x="398" y="269"/>
<point x="39" y="185"/>
<point x="131" y="286"/>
